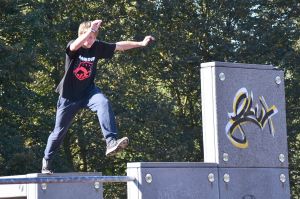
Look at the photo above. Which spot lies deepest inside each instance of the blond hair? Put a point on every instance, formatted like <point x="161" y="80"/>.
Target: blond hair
<point x="84" y="26"/>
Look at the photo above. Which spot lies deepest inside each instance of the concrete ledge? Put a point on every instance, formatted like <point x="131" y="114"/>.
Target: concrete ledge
<point x="75" y="190"/>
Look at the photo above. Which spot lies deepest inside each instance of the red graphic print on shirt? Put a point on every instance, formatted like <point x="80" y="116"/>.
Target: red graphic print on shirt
<point x="83" y="70"/>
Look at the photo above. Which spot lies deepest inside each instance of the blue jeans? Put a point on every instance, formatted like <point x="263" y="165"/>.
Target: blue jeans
<point x="67" y="109"/>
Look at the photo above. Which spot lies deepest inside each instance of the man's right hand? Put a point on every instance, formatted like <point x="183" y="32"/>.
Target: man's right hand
<point x="96" y="24"/>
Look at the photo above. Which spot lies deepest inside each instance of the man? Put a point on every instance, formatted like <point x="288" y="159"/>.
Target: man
<point x="77" y="89"/>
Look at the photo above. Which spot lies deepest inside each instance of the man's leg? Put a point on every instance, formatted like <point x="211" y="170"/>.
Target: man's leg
<point x="101" y="105"/>
<point x="66" y="111"/>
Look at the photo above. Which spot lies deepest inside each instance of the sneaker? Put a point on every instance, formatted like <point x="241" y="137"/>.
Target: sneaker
<point x="115" y="146"/>
<point x="46" y="167"/>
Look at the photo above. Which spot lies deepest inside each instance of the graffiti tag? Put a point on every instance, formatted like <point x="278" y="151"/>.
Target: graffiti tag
<point x="243" y="113"/>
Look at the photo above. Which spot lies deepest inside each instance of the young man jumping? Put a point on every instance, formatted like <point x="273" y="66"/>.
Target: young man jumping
<point x="77" y="89"/>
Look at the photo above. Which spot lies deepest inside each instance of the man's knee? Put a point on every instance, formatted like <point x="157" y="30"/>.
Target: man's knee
<point x="101" y="101"/>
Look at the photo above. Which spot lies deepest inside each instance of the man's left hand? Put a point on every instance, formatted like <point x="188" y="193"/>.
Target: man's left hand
<point x="147" y="40"/>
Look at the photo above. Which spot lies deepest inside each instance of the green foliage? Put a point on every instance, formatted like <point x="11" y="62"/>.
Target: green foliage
<point x="155" y="91"/>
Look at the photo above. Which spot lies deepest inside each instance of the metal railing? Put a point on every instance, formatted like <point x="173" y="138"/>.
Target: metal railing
<point x="65" y="179"/>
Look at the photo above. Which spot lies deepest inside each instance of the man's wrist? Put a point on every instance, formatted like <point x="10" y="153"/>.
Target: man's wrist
<point x="141" y="44"/>
<point x="93" y="30"/>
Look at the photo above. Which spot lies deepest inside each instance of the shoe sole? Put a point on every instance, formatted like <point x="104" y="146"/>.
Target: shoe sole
<point x="121" y="145"/>
<point x="47" y="172"/>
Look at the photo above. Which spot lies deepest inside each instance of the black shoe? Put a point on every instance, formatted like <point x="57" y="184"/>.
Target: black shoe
<point x="115" y="146"/>
<point x="46" y="167"/>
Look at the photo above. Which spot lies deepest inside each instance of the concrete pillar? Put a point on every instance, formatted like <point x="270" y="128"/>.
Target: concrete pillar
<point x="244" y="129"/>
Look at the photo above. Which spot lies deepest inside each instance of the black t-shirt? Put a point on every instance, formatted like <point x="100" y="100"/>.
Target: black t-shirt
<point x="80" y="69"/>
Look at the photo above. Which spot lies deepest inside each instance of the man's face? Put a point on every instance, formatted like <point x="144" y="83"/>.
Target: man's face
<point x="90" y="40"/>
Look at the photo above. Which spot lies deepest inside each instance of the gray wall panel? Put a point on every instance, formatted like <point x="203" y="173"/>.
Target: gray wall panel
<point x="175" y="181"/>
<point x="66" y="190"/>
<point x="264" y="147"/>
<point x="254" y="183"/>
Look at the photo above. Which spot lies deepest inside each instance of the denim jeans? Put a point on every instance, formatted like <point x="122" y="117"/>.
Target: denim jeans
<point x="67" y="109"/>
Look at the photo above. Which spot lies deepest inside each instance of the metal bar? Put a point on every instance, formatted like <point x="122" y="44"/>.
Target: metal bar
<point x="68" y="179"/>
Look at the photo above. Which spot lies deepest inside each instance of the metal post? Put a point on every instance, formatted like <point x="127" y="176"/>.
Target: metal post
<point x="67" y="179"/>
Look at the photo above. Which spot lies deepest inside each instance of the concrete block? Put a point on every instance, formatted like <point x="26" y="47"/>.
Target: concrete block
<point x="52" y="190"/>
<point x="176" y="180"/>
<point x="244" y="115"/>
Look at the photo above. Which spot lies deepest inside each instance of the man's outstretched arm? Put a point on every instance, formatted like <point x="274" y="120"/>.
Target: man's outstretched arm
<point x="126" y="45"/>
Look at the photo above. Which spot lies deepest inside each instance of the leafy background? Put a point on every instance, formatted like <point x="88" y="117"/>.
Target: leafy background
<point x="155" y="91"/>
